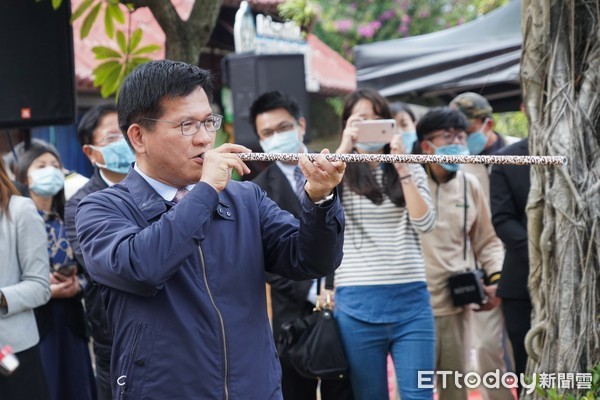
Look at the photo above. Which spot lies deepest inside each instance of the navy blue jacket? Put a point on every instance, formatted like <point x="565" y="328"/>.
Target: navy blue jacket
<point x="184" y="285"/>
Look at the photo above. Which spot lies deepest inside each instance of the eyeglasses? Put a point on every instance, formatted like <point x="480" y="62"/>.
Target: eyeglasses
<point x="109" y="138"/>
<point x="283" y="127"/>
<point x="191" y="127"/>
<point x="449" y="136"/>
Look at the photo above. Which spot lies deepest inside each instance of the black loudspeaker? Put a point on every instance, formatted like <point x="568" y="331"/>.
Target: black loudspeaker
<point x="37" y="75"/>
<point x="250" y="75"/>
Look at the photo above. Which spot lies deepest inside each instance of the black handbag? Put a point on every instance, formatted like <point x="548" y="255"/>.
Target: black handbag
<point x="466" y="287"/>
<point x="313" y="345"/>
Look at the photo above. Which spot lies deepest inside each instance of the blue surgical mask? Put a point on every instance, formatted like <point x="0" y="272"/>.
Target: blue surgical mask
<point x="371" y="147"/>
<point x="451" y="150"/>
<point x="284" y="142"/>
<point x="477" y="140"/>
<point x="408" y="140"/>
<point x="117" y="157"/>
<point x="46" y="182"/>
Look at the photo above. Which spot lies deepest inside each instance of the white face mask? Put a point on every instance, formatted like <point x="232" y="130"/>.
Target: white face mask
<point x="46" y="182"/>
<point x="284" y="142"/>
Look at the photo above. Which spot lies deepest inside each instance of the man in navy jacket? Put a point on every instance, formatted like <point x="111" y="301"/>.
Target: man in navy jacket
<point x="183" y="277"/>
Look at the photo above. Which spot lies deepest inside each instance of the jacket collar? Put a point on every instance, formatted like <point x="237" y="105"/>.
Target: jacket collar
<point x="147" y="200"/>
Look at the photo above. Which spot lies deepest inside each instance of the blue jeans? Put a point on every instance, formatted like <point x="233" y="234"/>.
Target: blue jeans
<point x="411" y="344"/>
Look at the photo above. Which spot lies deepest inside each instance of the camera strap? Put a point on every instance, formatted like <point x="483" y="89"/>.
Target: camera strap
<point x="465" y="237"/>
<point x="465" y="219"/>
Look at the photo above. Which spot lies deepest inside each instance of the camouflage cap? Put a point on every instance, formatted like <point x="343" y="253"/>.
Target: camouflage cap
<point x="473" y="105"/>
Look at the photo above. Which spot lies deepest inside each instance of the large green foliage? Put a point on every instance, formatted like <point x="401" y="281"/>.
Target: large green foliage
<point x="342" y="24"/>
<point x="117" y="61"/>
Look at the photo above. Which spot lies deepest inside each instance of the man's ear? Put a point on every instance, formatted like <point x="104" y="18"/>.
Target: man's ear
<point x="302" y="124"/>
<point x="426" y="147"/>
<point x="90" y="154"/>
<point x="135" y="133"/>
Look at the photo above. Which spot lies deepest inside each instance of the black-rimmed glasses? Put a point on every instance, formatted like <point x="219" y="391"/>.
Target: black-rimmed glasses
<point x="449" y="136"/>
<point x="191" y="127"/>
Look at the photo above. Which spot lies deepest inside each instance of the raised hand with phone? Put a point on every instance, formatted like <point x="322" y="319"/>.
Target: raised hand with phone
<point x="387" y="207"/>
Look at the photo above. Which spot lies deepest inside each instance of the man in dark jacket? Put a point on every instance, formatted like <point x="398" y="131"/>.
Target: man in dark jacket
<point x="280" y="127"/>
<point x="509" y="189"/>
<point x="181" y="250"/>
<point x="104" y="145"/>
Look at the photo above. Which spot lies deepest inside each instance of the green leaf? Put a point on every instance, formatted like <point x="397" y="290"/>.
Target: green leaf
<point x="122" y="77"/>
<point x="103" y="52"/>
<point x="134" y="62"/>
<point x="89" y="21"/>
<point x="81" y="9"/>
<point x="117" y="13"/>
<point x="122" y="41"/>
<point x="135" y="39"/>
<point x="139" y="60"/>
<point x="109" y="25"/>
<point x="56" y="4"/>
<point x="110" y="84"/>
<point x="147" y="49"/>
<point x="103" y="70"/>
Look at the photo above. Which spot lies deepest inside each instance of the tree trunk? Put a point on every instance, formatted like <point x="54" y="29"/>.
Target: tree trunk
<point x="560" y="71"/>
<point x="184" y="39"/>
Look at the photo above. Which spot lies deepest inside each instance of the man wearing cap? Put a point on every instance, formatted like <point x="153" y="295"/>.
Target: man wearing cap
<point x="481" y="139"/>
<point x="489" y="325"/>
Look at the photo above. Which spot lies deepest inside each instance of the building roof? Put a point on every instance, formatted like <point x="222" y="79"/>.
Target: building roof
<point x="334" y="74"/>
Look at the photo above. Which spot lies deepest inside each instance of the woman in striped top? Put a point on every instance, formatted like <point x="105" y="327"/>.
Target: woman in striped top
<point x="382" y="303"/>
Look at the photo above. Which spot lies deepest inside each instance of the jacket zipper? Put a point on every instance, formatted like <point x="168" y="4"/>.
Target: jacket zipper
<point x="133" y="352"/>
<point x="212" y="300"/>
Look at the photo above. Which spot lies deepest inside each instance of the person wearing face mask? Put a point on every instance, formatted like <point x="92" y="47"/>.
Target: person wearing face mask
<point x="24" y="285"/>
<point x="104" y="145"/>
<point x="382" y="304"/>
<point x="61" y="322"/>
<point x="462" y="210"/>
<point x="405" y="122"/>
<point x="280" y="127"/>
<point x="482" y="139"/>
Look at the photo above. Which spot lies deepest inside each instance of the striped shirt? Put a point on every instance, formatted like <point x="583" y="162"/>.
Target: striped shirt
<point x="381" y="242"/>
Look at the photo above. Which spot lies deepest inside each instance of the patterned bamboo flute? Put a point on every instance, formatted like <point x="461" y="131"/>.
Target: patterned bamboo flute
<point x="411" y="158"/>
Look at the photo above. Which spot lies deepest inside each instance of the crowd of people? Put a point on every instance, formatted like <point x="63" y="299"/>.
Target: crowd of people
<point x="158" y="263"/>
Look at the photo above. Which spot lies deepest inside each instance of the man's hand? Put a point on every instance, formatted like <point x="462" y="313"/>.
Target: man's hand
<point x="218" y="163"/>
<point x="492" y="299"/>
<point x="322" y="176"/>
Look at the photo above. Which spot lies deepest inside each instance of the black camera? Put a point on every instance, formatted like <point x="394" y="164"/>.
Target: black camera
<point x="467" y="287"/>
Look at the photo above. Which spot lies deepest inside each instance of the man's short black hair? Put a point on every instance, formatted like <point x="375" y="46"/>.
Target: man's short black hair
<point x="440" y="118"/>
<point x="90" y="120"/>
<point x="144" y="89"/>
<point x="271" y="101"/>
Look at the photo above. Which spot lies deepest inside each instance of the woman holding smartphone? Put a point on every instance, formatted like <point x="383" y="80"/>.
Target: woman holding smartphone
<point x="382" y="302"/>
<point x="61" y="322"/>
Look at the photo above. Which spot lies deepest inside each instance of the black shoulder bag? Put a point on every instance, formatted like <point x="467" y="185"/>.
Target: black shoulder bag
<point x="313" y="344"/>
<point x="466" y="287"/>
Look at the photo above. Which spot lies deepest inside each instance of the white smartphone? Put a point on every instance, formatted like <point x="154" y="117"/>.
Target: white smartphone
<point x="376" y="130"/>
